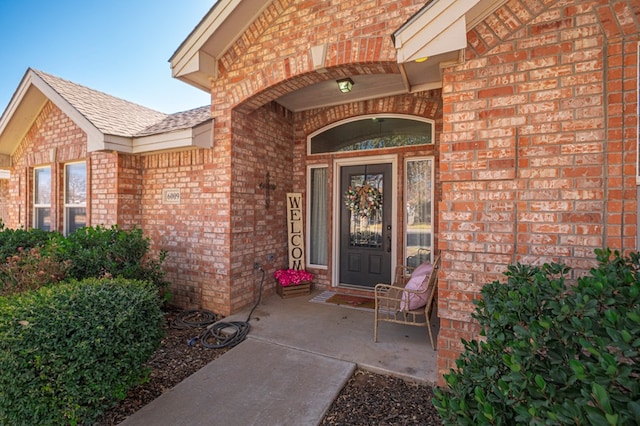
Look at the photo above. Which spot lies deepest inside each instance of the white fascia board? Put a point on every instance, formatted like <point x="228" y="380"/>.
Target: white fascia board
<point x="112" y="143"/>
<point x="198" y="71"/>
<point x="200" y="137"/>
<point x="195" y="61"/>
<point x="34" y="104"/>
<point x="187" y="59"/>
<point x="203" y="135"/>
<point x="440" y="29"/>
<point x="5" y="174"/>
<point x="80" y="120"/>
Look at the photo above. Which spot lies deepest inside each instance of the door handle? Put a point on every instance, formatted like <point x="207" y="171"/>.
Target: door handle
<point x="388" y="238"/>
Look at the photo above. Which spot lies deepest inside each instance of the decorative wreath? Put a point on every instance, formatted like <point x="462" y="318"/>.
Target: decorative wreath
<point x="363" y="201"/>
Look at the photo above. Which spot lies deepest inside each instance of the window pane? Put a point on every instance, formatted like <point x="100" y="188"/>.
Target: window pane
<point x="372" y="133"/>
<point x="42" y="186"/>
<point x="76" y="218"/>
<point x="42" y="218"/>
<point x="318" y="217"/>
<point x="418" y="220"/>
<point x="76" y="183"/>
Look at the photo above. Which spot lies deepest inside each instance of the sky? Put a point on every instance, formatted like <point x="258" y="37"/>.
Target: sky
<point x="119" y="47"/>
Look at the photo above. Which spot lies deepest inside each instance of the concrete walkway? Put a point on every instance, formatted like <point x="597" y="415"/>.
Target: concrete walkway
<point x="295" y="361"/>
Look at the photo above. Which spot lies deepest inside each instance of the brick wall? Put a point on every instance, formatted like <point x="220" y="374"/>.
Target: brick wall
<point x="538" y="148"/>
<point x="252" y="136"/>
<point x="185" y="230"/>
<point x="102" y="170"/>
<point x="52" y="140"/>
<point x="263" y="143"/>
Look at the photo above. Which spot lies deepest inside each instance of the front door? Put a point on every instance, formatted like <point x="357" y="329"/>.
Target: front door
<point x="365" y="225"/>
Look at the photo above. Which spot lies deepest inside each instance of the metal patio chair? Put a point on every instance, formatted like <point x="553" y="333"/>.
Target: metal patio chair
<point x="392" y="300"/>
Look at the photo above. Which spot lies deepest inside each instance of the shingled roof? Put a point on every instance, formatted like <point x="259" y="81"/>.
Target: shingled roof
<point x="178" y="121"/>
<point x="111" y="123"/>
<point x="115" y="116"/>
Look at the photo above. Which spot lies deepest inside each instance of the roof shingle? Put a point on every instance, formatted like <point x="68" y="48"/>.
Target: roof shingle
<point x="115" y="116"/>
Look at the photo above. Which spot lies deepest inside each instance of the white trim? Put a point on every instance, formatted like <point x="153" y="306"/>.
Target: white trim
<point x="371" y="116"/>
<point x="200" y="137"/>
<point x="308" y="216"/>
<point x="337" y="202"/>
<point x="66" y="205"/>
<point x="195" y="60"/>
<point x="35" y="206"/>
<point x="440" y="28"/>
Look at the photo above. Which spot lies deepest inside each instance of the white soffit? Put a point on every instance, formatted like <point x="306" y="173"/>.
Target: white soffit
<point x="195" y="60"/>
<point x="441" y="27"/>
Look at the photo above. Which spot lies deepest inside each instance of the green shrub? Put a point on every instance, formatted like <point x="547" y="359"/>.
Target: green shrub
<point x="553" y="353"/>
<point x="11" y="240"/>
<point x="30" y="270"/>
<point x="111" y="252"/>
<point x="69" y="351"/>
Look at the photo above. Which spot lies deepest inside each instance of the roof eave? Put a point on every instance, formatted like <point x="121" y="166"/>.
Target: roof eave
<point x="25" y="105"/>
<point x="200" y="136"/>
<point x="195" y="60"/>
<point x="440" y="27"/>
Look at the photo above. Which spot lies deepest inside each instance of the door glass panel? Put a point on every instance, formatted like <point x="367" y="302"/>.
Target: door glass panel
<point x="365" y="223"/>
<point x="418" y="211"/>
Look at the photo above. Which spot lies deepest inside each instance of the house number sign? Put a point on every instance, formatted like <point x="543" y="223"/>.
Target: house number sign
<point x="294" y="230"/>
<point x="171" y="196"/>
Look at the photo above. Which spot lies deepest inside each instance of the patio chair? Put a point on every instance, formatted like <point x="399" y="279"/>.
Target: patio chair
<point x="393" y="302"/>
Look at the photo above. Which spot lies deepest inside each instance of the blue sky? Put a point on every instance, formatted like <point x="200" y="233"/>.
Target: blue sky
<point x="120" y="47"/>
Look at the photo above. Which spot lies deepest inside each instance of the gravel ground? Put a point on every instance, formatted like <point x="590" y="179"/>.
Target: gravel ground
<point x="367" y="398"/>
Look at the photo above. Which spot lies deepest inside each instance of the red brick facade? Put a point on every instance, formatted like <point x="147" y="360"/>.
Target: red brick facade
<point x="535" y="149"/>
<point x="538" y="151"/>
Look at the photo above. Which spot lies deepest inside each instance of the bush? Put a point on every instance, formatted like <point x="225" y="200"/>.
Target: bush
<point x="111" y="252"/>
<point x="553" y="353"/>
<point x="11" y="240"/>
<point x="69" y="351"/>
<point x="30" y="270"/>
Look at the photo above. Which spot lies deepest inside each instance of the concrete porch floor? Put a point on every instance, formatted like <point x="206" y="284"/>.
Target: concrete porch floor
<point x="345" y="334"/>
<point x="294" y="348"/>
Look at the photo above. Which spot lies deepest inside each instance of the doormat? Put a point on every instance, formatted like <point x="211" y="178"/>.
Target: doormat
<point x="345" y="300"/>
<point x="353" y="301"/>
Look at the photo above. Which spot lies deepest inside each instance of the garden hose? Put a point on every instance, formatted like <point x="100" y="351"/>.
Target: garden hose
<point x="227" y="334"/>
<point x="195" y="318"/>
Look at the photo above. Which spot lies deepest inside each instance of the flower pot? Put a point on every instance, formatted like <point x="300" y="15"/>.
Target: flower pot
<point x="301" y="289"/>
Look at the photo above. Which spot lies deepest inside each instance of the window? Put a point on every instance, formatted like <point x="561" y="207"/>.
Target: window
<point x="373" y="132"/>
<point x="318" y="208"/>
<point x="75" y="197"/>
<point x="418" y="210"/>
<point x="42" y="198"/>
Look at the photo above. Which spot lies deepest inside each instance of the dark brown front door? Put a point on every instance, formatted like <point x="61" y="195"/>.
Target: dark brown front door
<point x="365" y="232"/>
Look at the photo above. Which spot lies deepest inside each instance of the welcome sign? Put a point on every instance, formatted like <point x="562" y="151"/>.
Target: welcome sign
<point x="294" y="230"/>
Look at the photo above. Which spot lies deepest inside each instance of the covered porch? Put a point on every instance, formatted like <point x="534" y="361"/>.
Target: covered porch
<point x="346" y="334"/>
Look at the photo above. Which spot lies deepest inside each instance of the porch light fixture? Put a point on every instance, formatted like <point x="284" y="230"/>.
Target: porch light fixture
<point x="345" y="85"/>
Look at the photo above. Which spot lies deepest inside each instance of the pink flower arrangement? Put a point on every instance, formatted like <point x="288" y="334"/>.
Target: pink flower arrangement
<point x="287" y="277"/>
